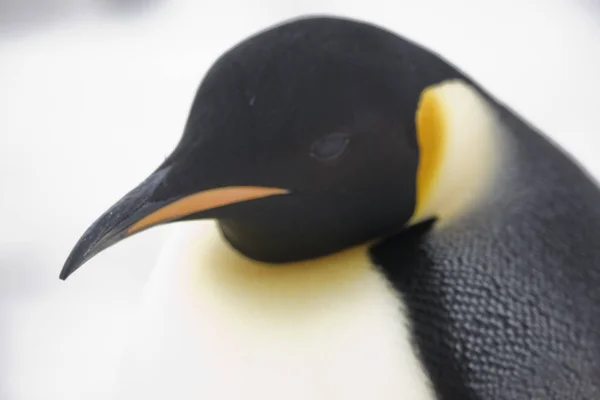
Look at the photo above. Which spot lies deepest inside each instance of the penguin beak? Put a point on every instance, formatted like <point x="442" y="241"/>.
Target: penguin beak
<point x="146" y="206"/>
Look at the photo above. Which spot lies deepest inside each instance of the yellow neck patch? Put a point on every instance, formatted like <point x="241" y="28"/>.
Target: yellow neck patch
<point x="431" y="128"/>
<point x="460" y="151"/>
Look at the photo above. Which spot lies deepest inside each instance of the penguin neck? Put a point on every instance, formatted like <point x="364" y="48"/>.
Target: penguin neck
<point x="202" y="264"/>
<point x="331" y="327"/>
<point x="297" y="286"/>
<point x="458" y="133"/>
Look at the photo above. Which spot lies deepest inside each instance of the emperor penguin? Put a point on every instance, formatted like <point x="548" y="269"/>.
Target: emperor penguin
<point x="364" y="222"/>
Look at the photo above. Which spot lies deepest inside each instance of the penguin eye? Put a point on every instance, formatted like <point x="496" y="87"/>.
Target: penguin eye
<point x="330" y="147"/>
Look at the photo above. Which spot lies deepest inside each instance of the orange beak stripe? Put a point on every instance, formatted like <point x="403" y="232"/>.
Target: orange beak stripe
<point x="203" y="201"/>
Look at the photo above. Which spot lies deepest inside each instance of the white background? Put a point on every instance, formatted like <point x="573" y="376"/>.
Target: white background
<point x="92" y="98"/>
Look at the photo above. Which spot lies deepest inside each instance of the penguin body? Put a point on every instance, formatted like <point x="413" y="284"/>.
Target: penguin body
<point x="384" y="229"/>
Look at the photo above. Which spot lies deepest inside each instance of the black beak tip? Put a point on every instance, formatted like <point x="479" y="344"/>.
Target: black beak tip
<point x="67" y="270"/>
<point x="87" y="247"/>
<point x="75" y="260"/>
<point x="64" y="274"/>
<point x="111" y="227"/>
<point x="96" y="239"/>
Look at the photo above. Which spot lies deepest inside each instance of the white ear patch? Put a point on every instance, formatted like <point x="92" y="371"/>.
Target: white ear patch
<point x="461" y="150"/>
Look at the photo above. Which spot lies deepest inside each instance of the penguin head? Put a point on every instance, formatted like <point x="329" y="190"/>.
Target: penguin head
<point x="302" y="140"/>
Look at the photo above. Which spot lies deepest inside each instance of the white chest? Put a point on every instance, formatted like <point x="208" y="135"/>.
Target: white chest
<point x="217" y="326"/>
